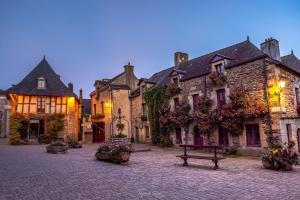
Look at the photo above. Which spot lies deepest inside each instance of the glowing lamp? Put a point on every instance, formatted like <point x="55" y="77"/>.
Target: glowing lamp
<point x="107" y="104"/>
<point x="281" y="84"/>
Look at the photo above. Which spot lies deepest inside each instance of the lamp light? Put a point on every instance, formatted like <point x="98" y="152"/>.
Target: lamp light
<point x="281" y="84"/>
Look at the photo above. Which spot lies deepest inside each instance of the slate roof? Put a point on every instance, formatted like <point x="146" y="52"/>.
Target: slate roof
<point x="237" y="54"/>
<point x="119" y="86"/>
<point x="292" y="62"/>
<point x="54" y="86"/>
<point x="86" y="106"/>
<point x="135" y="93"/>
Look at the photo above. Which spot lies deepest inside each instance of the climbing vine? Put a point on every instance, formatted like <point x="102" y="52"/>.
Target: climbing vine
<point x="155" y="97"/>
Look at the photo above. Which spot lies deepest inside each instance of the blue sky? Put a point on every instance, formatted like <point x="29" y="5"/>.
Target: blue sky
<point x="85" y="40"/>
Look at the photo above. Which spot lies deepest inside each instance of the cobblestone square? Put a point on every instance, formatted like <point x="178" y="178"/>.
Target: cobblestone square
<point x="28" y="172"/>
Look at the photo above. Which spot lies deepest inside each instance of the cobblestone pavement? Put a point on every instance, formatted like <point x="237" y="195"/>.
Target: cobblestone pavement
<point x="27" y="172"/>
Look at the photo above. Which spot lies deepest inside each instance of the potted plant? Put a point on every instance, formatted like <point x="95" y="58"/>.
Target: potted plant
<point x="281" y="158"/>
<point x="116" y="152"/>
<point x="57" y="147"/>
<point x="219" y="79"/>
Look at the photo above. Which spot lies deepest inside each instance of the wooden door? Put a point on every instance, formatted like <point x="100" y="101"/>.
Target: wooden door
<point x="223" y="137"/>
<point x="98" y="132"/>
<point x="198" y="137"/>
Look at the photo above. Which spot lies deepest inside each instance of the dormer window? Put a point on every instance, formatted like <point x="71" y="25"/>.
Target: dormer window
<point x="41" y="83"/>
<point x="176" y="82"/>
<point x="219" y="68"/>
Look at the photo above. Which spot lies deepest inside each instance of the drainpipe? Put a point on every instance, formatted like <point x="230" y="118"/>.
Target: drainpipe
<point x="130" y="115"/>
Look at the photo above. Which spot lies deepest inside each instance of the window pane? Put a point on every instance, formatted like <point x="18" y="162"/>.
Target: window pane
<point x="26" y="107"/>
<point x="26" y="99"/>
<point x="20" y="99"/>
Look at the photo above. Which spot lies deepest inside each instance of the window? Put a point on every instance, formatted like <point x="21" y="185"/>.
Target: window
<point x="175" y="81"/>
<point x="297" y="96"/>
<point x="195" y="101"/>
<point x="223" y="137"/>
<point x="41" y="104"/>
<point x="289" y="132"/>
<point x="219" y="68"/>
<point x="252" y="135"/>
<point x="178" y="136"/>
<point x="95" y="109"/>
<point x="41" y="83"/>
<point x="147" y="132"/>
<point x="221" y="97"/>
<point x="144" y="109"/>
<point x="176" y="102"/>
<point x="102" y="107"/>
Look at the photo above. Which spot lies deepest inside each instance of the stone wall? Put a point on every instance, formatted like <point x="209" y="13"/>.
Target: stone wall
<point x="249" y="76"/>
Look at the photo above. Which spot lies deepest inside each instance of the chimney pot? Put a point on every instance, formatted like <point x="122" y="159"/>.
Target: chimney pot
<point x="271" y="48"/>
<point x="180" y="57"/>
<point x="70" y="86"/>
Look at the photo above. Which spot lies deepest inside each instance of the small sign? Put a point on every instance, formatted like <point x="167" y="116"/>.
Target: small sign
<point x="89" y="126"/>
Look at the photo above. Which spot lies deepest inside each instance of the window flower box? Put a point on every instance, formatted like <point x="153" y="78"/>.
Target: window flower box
<point x="218" y="79"/>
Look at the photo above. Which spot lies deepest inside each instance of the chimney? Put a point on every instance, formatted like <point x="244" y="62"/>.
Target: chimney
<point x="180" y="57"/>
<point x="70" y="86"/>
<point x="129" y="75"/>
<point x="271" y="48"/>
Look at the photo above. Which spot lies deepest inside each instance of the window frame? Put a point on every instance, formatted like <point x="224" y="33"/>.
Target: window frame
<point x="220" y="102"/>
<point x="41" y="83"/>
<point x="252" y="135"/>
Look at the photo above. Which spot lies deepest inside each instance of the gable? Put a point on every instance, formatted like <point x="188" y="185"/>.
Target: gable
<point x="54" y="86"/>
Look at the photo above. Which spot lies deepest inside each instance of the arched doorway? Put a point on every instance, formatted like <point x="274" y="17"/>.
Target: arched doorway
<point x="298" y="139"/>
<point x="198" y="137"/>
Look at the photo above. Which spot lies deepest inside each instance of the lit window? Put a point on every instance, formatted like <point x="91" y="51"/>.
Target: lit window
<point x="41" y="84"/>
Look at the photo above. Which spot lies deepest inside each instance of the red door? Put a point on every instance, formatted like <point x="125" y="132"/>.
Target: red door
<point x="198" y="138"/>
<point x="98" y="132"/>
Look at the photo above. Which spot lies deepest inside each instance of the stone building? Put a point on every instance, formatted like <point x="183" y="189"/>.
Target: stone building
<point x="42" y="93"/>
<point x="4" y="115"/>
<point x="110" y="97"/>
<point x="87" y="131"/>
<point x="267" y="77"/>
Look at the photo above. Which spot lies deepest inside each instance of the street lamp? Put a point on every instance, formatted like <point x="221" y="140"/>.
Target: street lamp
<point x="281" y="84"/>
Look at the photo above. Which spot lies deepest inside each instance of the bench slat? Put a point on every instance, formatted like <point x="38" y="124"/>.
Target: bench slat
<point x="200" y="157"/>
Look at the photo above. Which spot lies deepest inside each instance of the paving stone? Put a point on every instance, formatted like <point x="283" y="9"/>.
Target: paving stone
<point x="28" y="172"/>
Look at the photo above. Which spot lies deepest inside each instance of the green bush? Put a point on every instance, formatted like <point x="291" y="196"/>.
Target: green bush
<point x="281" y="158"/>
<point x="231" y="150"/>
<point x="55" y="124"/>
<point x="18" y="126"/>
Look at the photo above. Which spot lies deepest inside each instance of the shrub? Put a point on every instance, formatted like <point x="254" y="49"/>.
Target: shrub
<point x="18" y="126"/>
<point x="231" y="150"/>
<point x="55" y="124"/>
<point x="281" y="158"/>
<point x="115" y="148"/>
<point x="218" y="79"/>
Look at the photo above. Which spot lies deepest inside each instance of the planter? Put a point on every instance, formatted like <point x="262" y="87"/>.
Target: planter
<point x="116" y="152"/>
<point x="57" y="148"/>
<point x="121" y="157"/>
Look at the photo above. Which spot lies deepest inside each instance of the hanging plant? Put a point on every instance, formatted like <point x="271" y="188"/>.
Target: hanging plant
<point x="98" y="116"/>
<point x="219" y="79"/>
<point x="172" y="90"/>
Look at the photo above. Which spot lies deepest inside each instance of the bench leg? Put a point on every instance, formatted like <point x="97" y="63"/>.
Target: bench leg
<point x="185" y="163"/>
<point x="216" y="164"/>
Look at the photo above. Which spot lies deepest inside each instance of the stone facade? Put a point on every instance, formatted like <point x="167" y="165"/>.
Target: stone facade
<point x="110" y="97"/>
<point x="140" y="123"/>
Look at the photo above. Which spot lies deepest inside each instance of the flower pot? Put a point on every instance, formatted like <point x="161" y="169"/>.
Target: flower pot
<point x="120" y="157"/>
<point x="55" y="148"/>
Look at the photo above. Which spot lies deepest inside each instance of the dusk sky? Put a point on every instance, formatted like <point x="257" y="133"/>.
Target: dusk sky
<point x="85" y="40"/>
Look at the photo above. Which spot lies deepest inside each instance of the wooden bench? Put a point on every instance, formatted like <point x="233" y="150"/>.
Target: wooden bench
<point x="213" y="158"/>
